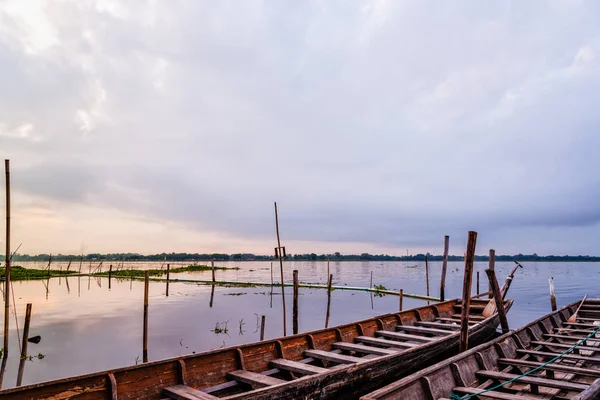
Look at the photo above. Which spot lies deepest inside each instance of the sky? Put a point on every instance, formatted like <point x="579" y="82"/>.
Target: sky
<point x="377" y="126"/>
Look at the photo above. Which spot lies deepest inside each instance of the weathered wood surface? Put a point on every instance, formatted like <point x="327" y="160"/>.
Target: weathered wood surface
<point x="466" y="298"/>
<point x="507" y="358"/>
<point x="497" y="299"/>
<point x="444" y="268"/>
<point x="374" y="350"/>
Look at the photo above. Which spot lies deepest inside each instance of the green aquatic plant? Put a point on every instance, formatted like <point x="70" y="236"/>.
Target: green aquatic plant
<point x="221" y="328"/>
<point x="378" y="289"/>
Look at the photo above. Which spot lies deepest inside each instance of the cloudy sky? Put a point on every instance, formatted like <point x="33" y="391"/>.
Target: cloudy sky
<point x="377" y="126"/>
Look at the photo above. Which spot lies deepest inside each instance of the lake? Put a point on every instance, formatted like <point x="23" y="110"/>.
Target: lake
<point x="85" y="327"/>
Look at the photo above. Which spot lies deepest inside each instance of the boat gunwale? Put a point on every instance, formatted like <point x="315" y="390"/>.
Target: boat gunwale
<point x="403" y="382"/>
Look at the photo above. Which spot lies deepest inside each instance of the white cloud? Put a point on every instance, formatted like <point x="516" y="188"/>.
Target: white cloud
<point x="372" y="123"/>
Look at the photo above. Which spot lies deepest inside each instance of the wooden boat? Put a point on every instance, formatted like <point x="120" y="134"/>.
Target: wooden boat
<point x="347" y="360"/>
<point x="531" y="363"/>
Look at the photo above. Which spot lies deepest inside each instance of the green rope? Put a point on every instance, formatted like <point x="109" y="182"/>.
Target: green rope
<point x="558" y="357"/>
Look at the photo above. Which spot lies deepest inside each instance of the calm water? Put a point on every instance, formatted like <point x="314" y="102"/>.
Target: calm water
<point x="86" y="327"/>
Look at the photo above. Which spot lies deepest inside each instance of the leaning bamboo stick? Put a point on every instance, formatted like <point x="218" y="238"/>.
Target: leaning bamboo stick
<point x="7" y="259"/>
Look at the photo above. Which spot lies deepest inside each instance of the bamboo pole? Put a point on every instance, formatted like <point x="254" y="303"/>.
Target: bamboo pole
<point x="478" y="282"/>
<point x="328" y="270"/>
<point x="552" y="294"/>
<point x="168" y="273"/>
<point x="329" y="281"/>
<point x="427" y="273"/>
<point x="466" y="300"/>
<point x="212" y="264"/>
<point x="109" y="275"/>
<point x="145" y="340"/>
<point x="281" y="269"/>
<point x="24" y="348"/>
<point x="444" y="267"/>
<point x="7" y="259"/>
<point x="498" y="299"/>
<point x="401" y="295"/>
<point x="295" y="304"/>
<point x="262" y="328"/>
<point x="492" y="266"/>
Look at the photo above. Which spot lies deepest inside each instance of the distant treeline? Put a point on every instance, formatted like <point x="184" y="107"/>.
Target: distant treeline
<point x="295" y="257"/>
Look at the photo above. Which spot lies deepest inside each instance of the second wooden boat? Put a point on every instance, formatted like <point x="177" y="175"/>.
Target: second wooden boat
<point x="552" y="358"/>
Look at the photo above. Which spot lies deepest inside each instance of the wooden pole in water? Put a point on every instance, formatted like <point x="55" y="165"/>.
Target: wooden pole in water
<point x="212" y="264"/>
<point x="145" y="341"/>
<point x="401" y="298"/>
<point x="498" y="299"/>
<point x="552" y="294"/>
<point x="168" y="273"/>
<point x="212" y="296"/>
<point x="466" y="300"/>
<point x="24" y="348"/>
<point x="477" y="282"/>
<point x="427" y="273"/>
<point x="109" y="275"/>
<point x="295" y="305"/>
<point x="281" y="269"/>
<point x="444" y="267"/>
<point x="262" y="328"/>
<point x="328" y="270"/>
<point x="329" y="282"/>
<point x="492" y="266"/>
<point x="7" y="259"/>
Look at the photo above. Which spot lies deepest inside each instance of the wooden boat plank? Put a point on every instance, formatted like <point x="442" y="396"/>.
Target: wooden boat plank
<point x="472" y="306"/>
<point x="431" y="331"/>
<point x="554" y="366"/>
<point x="548" y="354"/>
<point x="333" y="357"/>
<point x="183" y="392"/>
<point x="254" y="379"/>
<point x="439" y="325"/>
<point x="404" y="336"/>
<point x="569" y="337"/>
<point x="583" y="325"/>
<point x="552" y="383"/>
<point x="385" y="342"/>
<point x="493" y="394"/>
<point x="564" y="346"/>
<point x="359" y="348"/>
<point x="297" y="367"/>
<point x="471" y="317"/>
<point x="456" y="320"/>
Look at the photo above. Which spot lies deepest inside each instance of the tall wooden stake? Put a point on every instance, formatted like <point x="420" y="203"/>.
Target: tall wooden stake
<point x="444" y="267"/>
<point x="477" y="282"/>
<point x="262" y="328"/>
<point x="466" y="300"/>
<point x="295" y="305"/>
<point x="552" y="294"/>
<point x="427" y="273"/>
<point x="328" y="270"/>
<point x="212" y="264"/>
<point x="168" y="272"/>
<point x="492" y="266"/>
<point x="401" y="298"/>
<point x="109" y="275"/>
<point x="24" y="348"/>
<point x="7" y="259"/>
<point x="329" y="282"/>
<point x="145" y="342"/>
<point x="498" y="299"/>
<point x="280" y="256"/>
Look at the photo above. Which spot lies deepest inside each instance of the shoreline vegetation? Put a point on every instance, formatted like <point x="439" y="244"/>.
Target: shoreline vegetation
<point x="335" y="257"/>
<point x="18" y="273"/>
